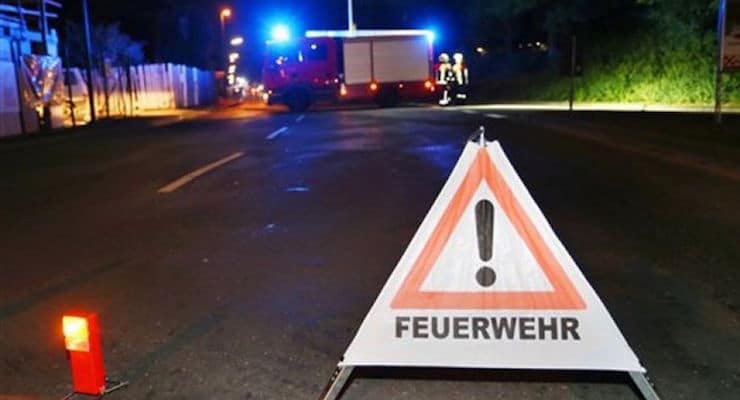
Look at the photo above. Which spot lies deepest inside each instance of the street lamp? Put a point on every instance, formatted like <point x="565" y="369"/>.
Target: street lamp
<point x="237" y="41"/>
<point x="223" y="15"/>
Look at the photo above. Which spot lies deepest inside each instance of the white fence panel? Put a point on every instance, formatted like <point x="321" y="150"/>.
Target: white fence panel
<point x="10" y="123"/>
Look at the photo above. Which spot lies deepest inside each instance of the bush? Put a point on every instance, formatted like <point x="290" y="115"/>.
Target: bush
<point x="666" y="60"/>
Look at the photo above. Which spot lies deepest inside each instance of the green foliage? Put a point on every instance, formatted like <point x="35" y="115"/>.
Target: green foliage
<point x="107" y="41"/>
<point x="669" y="57"/>
<point x="112" y="44"/>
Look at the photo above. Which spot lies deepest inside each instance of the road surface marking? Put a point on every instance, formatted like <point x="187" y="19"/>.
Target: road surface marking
<point x="300" y="118"/>
<point x="276" y="133"/>
<point x="176" y="184"/>
<point x="496" y="116"/>
<point x="469" y="112"/>
<point x="298" y="189"/>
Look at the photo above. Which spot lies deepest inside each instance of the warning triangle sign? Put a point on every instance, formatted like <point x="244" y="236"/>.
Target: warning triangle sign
<point x="486" y="283"/>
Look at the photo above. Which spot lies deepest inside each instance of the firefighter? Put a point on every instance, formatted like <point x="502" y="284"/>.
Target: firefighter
<point x="444" y="78"/>
<point x="460" y="79"/>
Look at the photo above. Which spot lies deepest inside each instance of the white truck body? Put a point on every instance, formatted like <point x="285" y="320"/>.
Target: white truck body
<point x="386" y="59"/>
<point x="383" y="56"/>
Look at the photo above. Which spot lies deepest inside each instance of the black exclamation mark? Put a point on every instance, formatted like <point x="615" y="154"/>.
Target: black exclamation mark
<point x="485" y="276"/>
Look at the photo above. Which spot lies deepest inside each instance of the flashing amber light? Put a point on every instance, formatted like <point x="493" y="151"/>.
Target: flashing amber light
<point x="373" y="86"/>
<point x="76" y="333"/>
<point x="342" y="90"/>
<point x="428" y="84"/>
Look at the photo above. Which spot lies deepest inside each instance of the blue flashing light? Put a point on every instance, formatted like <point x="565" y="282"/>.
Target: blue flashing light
<point x="431" y="35"/>
<point x="280" y="33"/>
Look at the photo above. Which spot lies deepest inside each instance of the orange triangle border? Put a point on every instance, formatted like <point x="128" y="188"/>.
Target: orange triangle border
<point x="564" y="295"/>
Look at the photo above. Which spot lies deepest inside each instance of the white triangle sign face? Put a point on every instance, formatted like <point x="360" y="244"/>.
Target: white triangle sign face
<point x="486" y="283"/>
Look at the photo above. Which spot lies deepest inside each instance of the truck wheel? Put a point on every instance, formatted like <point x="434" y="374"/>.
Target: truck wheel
<point x="298" y="100"/>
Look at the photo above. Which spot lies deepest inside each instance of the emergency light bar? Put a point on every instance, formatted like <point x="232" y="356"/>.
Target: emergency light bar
<point x="370" y="33"/>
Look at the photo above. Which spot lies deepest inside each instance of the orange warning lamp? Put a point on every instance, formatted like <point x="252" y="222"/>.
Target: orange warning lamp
<point x="76" y="333"/>
<point x="85" y="353"/>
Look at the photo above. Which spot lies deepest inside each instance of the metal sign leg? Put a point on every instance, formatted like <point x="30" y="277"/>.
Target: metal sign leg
<point x="336" y="383"/>
<point x="644" y="386"/>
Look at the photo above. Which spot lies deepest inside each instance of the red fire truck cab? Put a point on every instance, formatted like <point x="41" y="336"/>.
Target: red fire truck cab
<point x="385" y="66"/>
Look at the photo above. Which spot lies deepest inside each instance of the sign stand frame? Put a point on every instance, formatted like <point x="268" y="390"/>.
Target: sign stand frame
<point x="115" y="386"/>
<point x="340" y="378"/>
<point x="644" y="386"/>
<point x="337" y="382"/>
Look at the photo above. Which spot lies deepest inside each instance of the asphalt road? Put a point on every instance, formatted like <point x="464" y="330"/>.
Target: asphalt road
<point x="248" y="282"/>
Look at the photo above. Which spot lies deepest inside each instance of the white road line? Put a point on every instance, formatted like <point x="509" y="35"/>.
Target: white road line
<point x="496" y="116"/>
<point x="178" y="183"/>
<point x="276" y="133"/>
<point x="300" y="118"/>
<point x="469" y="112"/>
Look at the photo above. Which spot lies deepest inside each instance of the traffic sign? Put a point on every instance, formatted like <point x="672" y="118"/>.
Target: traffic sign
<point x="486" y="283"/>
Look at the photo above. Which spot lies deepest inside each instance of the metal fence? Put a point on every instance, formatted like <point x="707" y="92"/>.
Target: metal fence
<point x="129" y="91"/>
<point x="117" y="91"/>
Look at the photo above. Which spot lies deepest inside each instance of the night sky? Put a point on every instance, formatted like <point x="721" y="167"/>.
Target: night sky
<point x="254" y="18"/>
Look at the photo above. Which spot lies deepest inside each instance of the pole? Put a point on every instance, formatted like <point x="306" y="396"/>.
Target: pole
<point x="69" y="94"/>
<point x="223" y="37"/>
<point x="68" y="77"/>
<point x="104" y="72"/>
<point x="44" y="26"/>
<point x="350" y="16"/>
<point x="121" y="94"/>
<point x="19" y="7"/>
<point x="718" y="98"/>
<point x="15" y="54"/>
<point x="130" y="88"/>
<point x="720" y="60"/>
<point x="88" y="67"/>
<point x="223" y="63"/>
<point x="572" y="93"/>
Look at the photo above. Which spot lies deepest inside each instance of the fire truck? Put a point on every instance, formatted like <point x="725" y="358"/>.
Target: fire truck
<point x="384" y="66"/>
